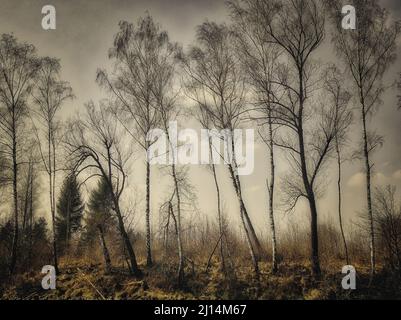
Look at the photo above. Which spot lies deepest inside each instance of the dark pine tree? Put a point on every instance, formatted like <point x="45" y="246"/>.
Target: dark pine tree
<point x="70" y="209"/>
<point x="99" y="218"/>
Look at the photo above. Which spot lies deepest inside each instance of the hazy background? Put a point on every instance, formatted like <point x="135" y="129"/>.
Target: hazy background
<point x="85" y="32"/>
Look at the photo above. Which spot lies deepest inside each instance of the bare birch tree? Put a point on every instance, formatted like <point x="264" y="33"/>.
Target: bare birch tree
<point x="165" y="94"/>
<point x="18" y="68"/>
<point x="135" y="52"/>
<point x="49" y="95"/>
<point x="217" y="87"/>
<point x="95" y="145"/>
<point x="367" y="52"/>
<point x="297" y="28"/>
<point x="219" y="213"/>
<point x="339" y="97"/>
<point x="204" y="119"/>
<point x="259" y="56"/>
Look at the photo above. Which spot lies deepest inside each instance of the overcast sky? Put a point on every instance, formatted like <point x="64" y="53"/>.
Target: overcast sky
<point x="85" y="30"/>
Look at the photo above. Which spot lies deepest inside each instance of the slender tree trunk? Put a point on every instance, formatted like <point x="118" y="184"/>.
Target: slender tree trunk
<point x="313" y="212"/>
<point x="127" y="244"/>
<point x="315" y="263"/>
<point x="271" y="196"/>
<point x="254" y="258"/>
<point x="14" y="250"/>
<point x="106" y="253"/>
<point x="171" y="212"/>
<point x="212" y="253"/>
<point x="52" y="204"/>
<point x="68" y="227"/>
<point x="238" y="190"/>
<point x="181" y="274"/>
<point x="368" y="191"/>
<point x="245" y="225"/>
<point x="340" y="201"/>
<point x="55" y="256"/>
<point x="314" y="236"/>
<point x="31" y="221"/>
<point x="167" y="229"/>
<point x="223" y="264"/>
<point x="54" y="190"/>
<point x="149" y="261"/>
<point x="249" y="224"/>
<point x="26" y="200"/>
<point x="250" y="233"/>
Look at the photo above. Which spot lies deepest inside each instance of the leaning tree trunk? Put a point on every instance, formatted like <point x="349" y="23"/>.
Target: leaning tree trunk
<point x="127" y="243"/>
<point x="149" y="261"/>
<point x="238" y="190"/>
<point x="245" y="225"/>
<point x="220" y="221"/>
<point x="106" y="254"/>
<point x="271" y="196"/>
<point x="250" y="233"/>
<point x="340" y="201"/>
<point x="368" y="191"/>
<point x="181" y="274"/>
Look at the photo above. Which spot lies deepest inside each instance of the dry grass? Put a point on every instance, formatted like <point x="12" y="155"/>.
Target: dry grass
<point x="82" y="280"/>
<point x="82" y="273"/>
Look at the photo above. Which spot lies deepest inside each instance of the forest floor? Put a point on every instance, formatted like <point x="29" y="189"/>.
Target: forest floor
<point x="79" y="280"/>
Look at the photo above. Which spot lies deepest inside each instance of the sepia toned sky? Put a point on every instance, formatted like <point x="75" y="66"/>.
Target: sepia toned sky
<point x="85" y="30"/>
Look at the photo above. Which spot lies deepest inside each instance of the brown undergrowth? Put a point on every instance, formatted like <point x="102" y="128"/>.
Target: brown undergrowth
<point x="80" y="279"/>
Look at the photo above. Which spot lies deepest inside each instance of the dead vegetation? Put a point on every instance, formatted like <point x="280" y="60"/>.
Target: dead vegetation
<point x="88" y="281"/>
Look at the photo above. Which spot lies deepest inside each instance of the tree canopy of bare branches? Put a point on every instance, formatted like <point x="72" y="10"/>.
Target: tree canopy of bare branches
<point x="216" y="84"/>
<point x="138" y="52"/>
<point x="297" y="28"/>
